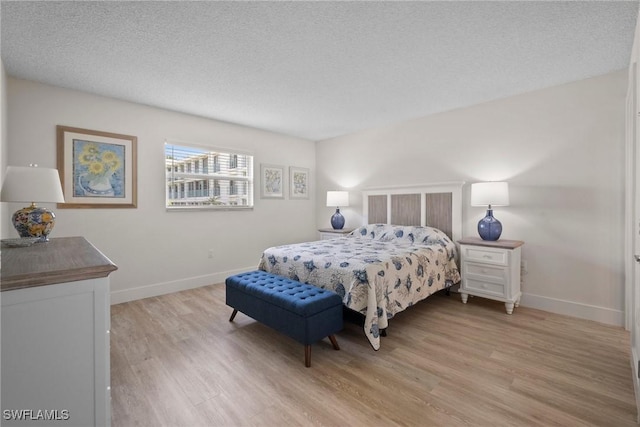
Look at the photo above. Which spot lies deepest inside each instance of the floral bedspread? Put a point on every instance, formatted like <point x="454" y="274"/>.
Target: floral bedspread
<point x="378" y="270"/>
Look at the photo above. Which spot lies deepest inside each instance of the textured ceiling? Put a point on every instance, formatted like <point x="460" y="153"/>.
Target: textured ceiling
<point x="314" y="69"/>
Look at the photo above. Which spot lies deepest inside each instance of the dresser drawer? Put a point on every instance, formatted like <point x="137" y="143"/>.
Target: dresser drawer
<point x="493" y="273"/>
<point x="490" y="288"/>
<point x="486" y="255"/>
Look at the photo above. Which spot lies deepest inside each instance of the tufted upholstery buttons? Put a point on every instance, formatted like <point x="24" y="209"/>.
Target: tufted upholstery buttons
<point x="299" y="298"/>
<point x="299" y="310"/>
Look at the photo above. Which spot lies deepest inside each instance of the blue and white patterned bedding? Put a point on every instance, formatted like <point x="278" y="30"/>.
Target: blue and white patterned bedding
<point x="378" y="270"/>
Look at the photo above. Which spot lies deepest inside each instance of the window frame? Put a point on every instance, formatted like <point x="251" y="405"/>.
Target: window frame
<point x="208" y="178"/>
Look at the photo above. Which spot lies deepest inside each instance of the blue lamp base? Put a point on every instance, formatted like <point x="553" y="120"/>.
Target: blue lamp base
<point x="489" y="228"/>
<point x="337" y="220"/>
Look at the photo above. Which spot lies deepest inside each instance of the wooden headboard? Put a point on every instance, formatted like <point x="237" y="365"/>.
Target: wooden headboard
<point x="436" y="205"/>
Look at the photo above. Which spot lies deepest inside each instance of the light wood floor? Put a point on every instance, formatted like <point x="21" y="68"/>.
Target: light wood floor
<point x="176" y="360"/>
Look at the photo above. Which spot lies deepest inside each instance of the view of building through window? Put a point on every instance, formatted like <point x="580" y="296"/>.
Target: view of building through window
<point x="207" y="178"/>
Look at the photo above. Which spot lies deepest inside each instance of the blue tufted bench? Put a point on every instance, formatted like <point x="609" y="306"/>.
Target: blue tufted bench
<point x="303" y="312"/>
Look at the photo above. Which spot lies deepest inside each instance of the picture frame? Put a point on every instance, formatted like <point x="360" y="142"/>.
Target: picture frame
<point x="97" y="169"/>
<point x="272" y="181"/>
<point x="298" y="183"/>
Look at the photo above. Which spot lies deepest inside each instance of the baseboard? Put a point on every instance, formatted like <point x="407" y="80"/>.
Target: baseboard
<point x="156" y="289"/>
<point x="574" y="309"/>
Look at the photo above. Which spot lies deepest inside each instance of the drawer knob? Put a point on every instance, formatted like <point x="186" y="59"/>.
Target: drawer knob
<point x="484" y="286"/>
<point x="486" y="256"/>
<point x="484" y="271"/>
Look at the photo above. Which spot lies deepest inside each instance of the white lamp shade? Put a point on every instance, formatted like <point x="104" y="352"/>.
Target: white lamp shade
<point x="490" y="193"/>
<point x="337" y="198"/>
<point x="31" y="185"/>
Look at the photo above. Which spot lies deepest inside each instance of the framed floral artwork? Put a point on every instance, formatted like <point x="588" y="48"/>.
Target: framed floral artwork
<point x="298" y="183"/>
<point x="97" y="169"/>
<point x="271" y="182"/>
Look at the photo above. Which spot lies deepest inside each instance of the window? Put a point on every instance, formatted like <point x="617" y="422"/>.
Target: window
<point x="207" y="178"/>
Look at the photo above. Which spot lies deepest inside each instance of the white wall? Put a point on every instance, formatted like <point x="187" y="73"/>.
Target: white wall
<point x="562" y="151"/>
<point x="5" y="219"/>
<point x="158" y="251"/>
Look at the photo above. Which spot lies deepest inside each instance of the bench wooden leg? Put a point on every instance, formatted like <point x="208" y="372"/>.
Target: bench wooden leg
<point x="307" y="355"/>
<point x="233" y="315"/>
<point x="334" y="342"/>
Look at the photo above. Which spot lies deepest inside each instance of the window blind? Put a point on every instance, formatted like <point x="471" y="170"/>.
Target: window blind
<point x="199" y="177"/>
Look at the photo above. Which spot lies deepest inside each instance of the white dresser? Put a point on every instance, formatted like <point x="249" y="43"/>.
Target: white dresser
<point x="491" y="270"/>
<point x="55" y="334"/>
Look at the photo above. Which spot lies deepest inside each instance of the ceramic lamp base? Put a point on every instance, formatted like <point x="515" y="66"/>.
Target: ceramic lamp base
<point x="337" y="220"/>
<point x="489" y="228"/>
<point x="34" y="221"/>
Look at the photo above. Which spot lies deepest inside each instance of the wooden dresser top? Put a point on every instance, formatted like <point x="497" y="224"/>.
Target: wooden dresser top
<point x="61" y="260"/>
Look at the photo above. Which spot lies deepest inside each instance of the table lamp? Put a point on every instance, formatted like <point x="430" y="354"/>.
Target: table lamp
<point x="32" y="184"/>
<point x="490" y="194"/>
<point x="337" y="199"/>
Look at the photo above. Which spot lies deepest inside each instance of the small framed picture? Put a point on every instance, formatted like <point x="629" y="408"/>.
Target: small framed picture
<point x="271" y="181"/>
<point x="97" y="169"/>
<point x="298" y="183"/>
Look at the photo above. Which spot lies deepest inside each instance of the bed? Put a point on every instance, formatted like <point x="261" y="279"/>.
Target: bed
<point x="383" y="268"/>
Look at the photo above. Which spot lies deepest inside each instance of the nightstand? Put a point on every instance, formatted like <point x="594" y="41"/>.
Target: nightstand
<point x="491" y="270"/>
<point x="330" y="233"/>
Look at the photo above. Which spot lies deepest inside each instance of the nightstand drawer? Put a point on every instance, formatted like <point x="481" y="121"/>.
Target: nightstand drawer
<point x="485" y="287"/>
<point x="486" y="272"/>
<point x="330" y="233"/>
<point x="486" y="255"/>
